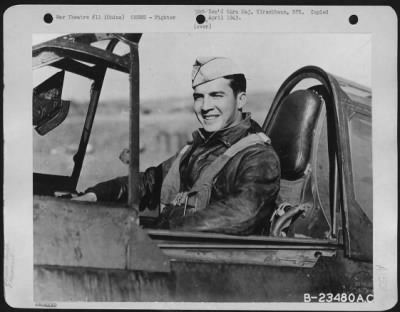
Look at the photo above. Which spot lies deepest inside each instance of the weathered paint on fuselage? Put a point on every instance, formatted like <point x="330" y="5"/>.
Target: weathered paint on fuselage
<point x="71" y="263"/>
<point x="211" y="282"/>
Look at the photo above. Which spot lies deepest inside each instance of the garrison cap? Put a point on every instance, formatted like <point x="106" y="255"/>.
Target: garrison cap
<point x="209" y="68"/>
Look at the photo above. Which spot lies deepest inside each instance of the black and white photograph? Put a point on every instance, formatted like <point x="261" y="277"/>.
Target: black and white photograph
<point x="204" y="167"/>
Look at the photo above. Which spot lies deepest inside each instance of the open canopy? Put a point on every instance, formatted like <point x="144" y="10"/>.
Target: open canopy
<point x="67" y="52"/>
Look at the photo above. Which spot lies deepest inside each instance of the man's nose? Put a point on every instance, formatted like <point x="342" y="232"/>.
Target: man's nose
<point x="207" y="104"/>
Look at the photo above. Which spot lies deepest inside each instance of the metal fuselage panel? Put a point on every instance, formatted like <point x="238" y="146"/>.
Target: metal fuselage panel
<point x="210" y="282"/>
<point x="86" y="252"/>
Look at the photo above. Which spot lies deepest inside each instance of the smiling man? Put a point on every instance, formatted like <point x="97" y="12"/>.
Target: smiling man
<point x="227" y="179"/>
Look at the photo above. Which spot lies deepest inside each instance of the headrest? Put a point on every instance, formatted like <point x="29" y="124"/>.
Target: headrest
<point x="292" y="129"/>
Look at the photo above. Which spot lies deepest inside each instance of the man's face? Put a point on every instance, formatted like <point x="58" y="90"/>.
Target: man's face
<point x="216" y="106"/>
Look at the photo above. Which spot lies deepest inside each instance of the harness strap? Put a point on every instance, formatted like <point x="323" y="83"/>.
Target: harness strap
<point x="209" y="173"/>
<point x="200" y="193"/>
<point x="172" y="182"/>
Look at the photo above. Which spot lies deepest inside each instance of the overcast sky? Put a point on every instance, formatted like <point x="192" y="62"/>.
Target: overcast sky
<point x="267" y="58"/>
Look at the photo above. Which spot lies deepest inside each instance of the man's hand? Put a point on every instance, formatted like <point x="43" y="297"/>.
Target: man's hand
<point x="90" y="197"/>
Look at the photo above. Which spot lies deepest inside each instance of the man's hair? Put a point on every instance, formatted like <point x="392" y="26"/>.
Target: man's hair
<point x="237" y="82"/>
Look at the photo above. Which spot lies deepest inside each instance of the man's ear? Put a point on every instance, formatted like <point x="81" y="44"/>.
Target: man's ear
<point x="241" y="99"/>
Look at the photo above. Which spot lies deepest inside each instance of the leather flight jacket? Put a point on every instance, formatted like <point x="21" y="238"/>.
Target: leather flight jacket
<point x="199" y="195"/>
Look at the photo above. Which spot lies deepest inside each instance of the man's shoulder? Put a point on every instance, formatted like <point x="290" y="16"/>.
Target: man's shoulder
<point x="260" y="159"/>
<point x="264" y="145"/>
<point x="263" y="149"/>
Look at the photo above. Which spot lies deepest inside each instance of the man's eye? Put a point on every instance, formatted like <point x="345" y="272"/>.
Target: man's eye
<point x="218" y="95"/>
